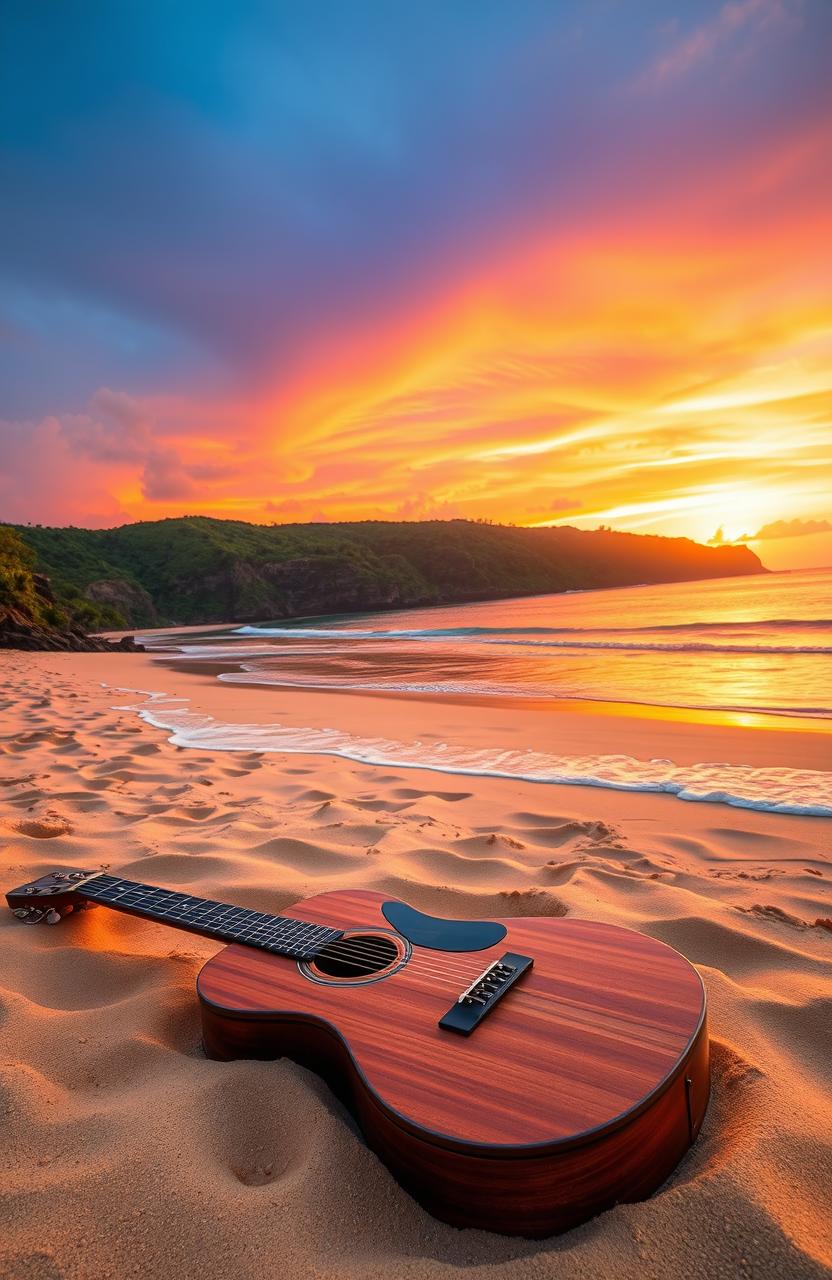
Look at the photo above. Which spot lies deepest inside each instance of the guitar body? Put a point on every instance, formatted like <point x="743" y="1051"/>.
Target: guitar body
<point x="583" y="1085"/>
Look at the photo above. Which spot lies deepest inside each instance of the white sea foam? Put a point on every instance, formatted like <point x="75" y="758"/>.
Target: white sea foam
<point x="770" y="790"/>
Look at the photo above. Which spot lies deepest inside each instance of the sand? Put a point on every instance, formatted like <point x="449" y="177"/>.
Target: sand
<point x="127" y="1152"/>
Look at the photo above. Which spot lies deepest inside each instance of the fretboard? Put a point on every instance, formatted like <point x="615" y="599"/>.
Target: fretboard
<point x="278" y="934"/>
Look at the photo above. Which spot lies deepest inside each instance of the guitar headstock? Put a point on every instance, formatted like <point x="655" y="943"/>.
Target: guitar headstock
<point x="50" y="897"/>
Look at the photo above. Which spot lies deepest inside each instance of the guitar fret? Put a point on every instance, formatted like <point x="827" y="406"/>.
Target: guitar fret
<point x="279" y="935"/>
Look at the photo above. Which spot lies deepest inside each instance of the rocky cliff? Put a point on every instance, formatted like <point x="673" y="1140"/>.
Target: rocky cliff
<point x="31" y="617"/>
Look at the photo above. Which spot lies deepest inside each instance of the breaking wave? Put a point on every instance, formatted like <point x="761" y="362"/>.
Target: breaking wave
<point x="769" y="790"/>
<point x="735" y="638"/>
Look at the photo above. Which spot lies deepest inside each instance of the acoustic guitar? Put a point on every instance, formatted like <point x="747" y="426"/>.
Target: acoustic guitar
<point x="517" y="1075"/>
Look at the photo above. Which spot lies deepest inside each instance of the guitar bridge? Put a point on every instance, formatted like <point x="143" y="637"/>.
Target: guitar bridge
<point x="477" y="1001"/>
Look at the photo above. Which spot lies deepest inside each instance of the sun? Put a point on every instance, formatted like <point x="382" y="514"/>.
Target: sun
<point x="738" y="512"/>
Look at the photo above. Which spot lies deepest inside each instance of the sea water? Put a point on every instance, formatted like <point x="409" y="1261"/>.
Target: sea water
<point x="758" y="645"/>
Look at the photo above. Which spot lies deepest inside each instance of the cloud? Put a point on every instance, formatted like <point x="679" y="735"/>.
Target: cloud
<point x="43" y="482"/>
<point x="126" y="410"/>
<point x="164" y="479"/>
<point x="311" y="289"/>
<point x="117" y="428"/>
<point x="777" y="529"/>
<point x="167" y="478"/>
<point x="745" y="18"/>
<point x="235" y="210"/>
<point x="792" y="529"/>
<point x="74" y="467"/>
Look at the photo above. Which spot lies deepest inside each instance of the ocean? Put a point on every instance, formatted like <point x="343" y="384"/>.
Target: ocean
<point x="756" y="646"/>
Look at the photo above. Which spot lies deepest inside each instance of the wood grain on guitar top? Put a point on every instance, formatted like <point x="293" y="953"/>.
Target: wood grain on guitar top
<point x="583" y="1087"/>
<point x="605" y="1012"/>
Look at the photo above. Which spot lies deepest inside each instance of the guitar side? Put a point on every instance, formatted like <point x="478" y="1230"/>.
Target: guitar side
<point x="583" y="1088"/>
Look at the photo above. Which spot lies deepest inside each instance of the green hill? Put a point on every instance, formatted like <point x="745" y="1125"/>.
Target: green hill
<point x="21" y="591"/>
<point x="31" y="617"/>
<point x="198" y="570"/>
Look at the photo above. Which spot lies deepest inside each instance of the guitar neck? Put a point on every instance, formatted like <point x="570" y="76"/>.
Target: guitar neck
<point x="278" y="934"/>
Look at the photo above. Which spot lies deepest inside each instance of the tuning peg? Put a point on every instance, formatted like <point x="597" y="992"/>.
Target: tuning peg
<point x="53" y="916"/>
<point x="30" y="915"/>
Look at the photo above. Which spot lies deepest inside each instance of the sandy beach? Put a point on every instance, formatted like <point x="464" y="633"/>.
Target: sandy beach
<point x="127" y="1152"/>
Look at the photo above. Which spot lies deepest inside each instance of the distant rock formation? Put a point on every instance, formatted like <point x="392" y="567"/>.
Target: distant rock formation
<point x="19" y="632"/>
<point x="127" y="598"/>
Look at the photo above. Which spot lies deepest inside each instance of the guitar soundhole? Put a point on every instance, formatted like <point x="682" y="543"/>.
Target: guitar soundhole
<point x="357" y="957"/>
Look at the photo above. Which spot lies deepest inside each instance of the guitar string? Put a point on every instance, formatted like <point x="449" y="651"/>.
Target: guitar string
<point x="152" y="909"/>
<point x="416" y="963"/>
<point x="345" y="947"/>
<point x="421" y="964"/>
<point x="152" y="912"/>
<point x="338" y="948"/>
<point x="413" y="962"/>
<point x="421" y="971"/>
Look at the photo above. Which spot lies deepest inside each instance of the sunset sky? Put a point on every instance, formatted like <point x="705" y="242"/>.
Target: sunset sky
<point x="534" y="262"/>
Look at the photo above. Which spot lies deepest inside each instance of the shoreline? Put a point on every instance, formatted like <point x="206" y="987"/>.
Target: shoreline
<point x="772" y="721"/>
<point x="572" y="746"/>
<point x="469" y="737"/>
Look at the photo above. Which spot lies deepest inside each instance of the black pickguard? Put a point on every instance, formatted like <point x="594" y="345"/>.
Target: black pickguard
<point x="439" y="934"/>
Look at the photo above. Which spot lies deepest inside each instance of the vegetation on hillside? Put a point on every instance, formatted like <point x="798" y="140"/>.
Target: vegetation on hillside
<point x="19" y="587"/>
<point x="31" y="617"/>
<point x="195" y="569"/>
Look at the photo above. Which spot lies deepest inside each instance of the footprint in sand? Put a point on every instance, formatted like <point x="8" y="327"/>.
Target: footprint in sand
<point x="410" y="793"/>
<point x="506" y="840"/>
<point x="252" y="1114"/>
<point x="588" y="835"/>
<point x="783" y="917"/>
<point x="46" y="828"/>
<point x="533" y="902"/>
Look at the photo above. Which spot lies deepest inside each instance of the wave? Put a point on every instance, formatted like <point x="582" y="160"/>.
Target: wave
<point x="668" y="646"/>
<point x="253" y="675"/>
<point x="571" y="637"/>
<point x="769" y="790"/>
<point x="633" y="646"/>
<point x="754" y="624"/>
